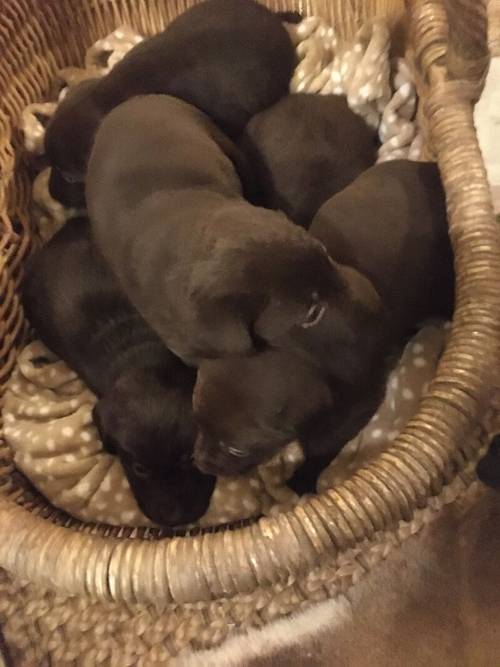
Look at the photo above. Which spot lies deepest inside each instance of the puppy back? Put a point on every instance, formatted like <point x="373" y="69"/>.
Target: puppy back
<point x="305" y="149"/>
<point x="79" y="311"/>
<point x="390" y="224"/>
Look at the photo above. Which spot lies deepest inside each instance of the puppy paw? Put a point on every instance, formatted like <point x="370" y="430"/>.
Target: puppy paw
<point x="303" y="481"/>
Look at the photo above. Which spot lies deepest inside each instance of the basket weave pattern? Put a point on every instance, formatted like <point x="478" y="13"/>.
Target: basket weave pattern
<point x="85" y="594"/>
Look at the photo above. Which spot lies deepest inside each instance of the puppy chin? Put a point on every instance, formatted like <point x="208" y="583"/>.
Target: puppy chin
<point x="172" y="515"/>
<point x="171" y="503"/>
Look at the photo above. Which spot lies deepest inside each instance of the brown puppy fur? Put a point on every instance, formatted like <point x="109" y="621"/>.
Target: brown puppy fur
<point x="262" y="403"/>
<point x="306" y="148"/>
<point x="248" y="408"/>
<point x="212" y="274"/>
<point x="488" y="469"/>
<point x="388" y="230"/>
<point x="143" y="412"/>
<point x="229" y="58"/>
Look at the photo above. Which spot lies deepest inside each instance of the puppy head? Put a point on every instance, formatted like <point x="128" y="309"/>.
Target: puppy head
<point x="149" y="425"/>
<point x="300" y="282"/>
<point x="269" y="285"/>
<point x="71" y="131"/>
<point x="247" y="408"/>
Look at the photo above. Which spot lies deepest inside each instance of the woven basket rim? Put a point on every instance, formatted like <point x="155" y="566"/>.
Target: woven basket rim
<point x="436" y="445"/>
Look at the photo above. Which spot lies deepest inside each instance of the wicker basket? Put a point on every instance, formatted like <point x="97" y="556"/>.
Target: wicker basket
<point x="75" y="594"/>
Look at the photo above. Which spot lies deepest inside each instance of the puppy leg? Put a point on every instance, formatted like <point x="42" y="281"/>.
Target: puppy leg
<point x="305" y="478"/>
<point x="322" y="442"/>
<point x="488" y="468"/>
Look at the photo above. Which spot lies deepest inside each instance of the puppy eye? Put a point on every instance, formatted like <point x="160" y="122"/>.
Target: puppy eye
<point x="314" y="315"/>
<point x="234" y="451"/>
<point x="140" y="470"/>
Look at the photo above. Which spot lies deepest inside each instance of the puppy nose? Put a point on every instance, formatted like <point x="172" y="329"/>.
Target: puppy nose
<point x="169" y="514"/>
<point x="171" y="519"/>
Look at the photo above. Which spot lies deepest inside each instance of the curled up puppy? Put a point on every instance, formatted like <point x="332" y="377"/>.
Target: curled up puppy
<point x="143" y="412"/>
<point x="229" y="58"/>
<point x="211" y="273"/>
<point x="304" y="149"/>
<point x="388" y="238"/>
<point x="248" y="408"/>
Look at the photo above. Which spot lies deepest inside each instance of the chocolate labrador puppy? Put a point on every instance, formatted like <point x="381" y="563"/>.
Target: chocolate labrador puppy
<point x="212" y="274"/>
<point x="143" y="412"/>
<point x="249" y="407"/>
<point x="229" y="58"/>
<point x="306" y="148"/>
<point x="387" y="235"/>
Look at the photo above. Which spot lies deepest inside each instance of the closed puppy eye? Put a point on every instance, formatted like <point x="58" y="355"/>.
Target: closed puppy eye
<point x="314" y="315"/>
<point x="140" y="470"/>
<point x="234" y="451"/>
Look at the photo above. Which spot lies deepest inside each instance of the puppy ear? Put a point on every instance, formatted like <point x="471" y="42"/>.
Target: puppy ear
<point x="277" y="318"/>
<point x="223" y="330"/>
<point x="226" y="308"/>
<point x="357" y="307"/>
<point x="360" y="290"/>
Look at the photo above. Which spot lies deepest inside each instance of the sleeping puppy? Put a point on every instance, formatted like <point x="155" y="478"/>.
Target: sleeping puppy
<point x="212" y="274"/>
<point x="306" y="148"/>
<point x="387" y="234"/>
<point x="391" y="226"/>
<point x="248" y="408"/>
<point x="143" y="412"/>
<point x="229" y="58"/>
